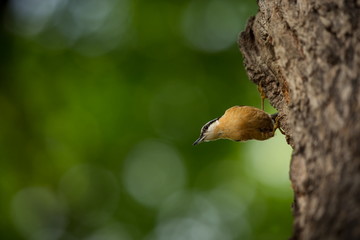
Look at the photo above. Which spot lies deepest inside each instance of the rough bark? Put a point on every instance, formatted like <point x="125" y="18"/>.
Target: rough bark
<point x="306" y="57"/>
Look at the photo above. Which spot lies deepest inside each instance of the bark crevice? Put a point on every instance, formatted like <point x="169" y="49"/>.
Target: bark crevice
<point x="305" y="55"/>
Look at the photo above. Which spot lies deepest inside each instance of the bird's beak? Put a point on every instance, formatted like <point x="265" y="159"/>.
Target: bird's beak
<point x="199" y="140"/>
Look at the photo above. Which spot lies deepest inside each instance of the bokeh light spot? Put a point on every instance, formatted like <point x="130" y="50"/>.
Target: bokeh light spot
<point x="92" y="27"/>
<point x="102" y="24"/>
<point x="153" y="170"/>
<point x="31" y="16"/>
<point x="269" y="161"/>
<point x="38" y="214"/>
<point x="112" y="231"/>
<point x="90" y="192"/>
<point x="191" y="215"/>
<point x="188" y="228"/>
<point x="211" y="25"/>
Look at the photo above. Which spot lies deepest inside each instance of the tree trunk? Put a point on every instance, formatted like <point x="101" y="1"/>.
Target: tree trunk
<point x="305" y="55"/>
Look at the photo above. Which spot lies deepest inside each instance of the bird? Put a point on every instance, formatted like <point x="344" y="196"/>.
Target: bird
<point x="240" y="123"/>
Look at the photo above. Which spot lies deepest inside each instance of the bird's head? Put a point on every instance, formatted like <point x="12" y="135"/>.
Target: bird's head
<point x="208" y="132"/>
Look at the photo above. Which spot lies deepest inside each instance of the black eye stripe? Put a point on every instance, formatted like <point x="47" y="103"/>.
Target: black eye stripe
<point x="206" y="126"/>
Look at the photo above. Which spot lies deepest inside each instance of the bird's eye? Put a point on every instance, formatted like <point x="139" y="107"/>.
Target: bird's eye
<point x="206" y="126"/>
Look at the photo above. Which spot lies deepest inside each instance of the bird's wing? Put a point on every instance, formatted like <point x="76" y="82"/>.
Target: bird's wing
<point x="257" y="119"/>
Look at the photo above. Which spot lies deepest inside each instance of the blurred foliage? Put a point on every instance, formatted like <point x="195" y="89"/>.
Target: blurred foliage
<point x="100" y="102"/>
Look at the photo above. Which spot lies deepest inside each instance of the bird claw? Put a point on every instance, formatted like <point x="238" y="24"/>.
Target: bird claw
<point x="277" y="124"/>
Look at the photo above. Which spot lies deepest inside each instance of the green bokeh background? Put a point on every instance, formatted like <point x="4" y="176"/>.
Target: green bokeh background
<point x="100" y="102"/>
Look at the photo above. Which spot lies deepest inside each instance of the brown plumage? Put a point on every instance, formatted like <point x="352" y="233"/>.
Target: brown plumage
<point x="239" y="123"/>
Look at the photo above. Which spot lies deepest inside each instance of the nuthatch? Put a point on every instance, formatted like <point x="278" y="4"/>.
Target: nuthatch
<point x="240" y="123"/>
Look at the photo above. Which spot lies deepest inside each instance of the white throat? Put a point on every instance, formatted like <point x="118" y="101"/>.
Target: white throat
<point x="213" y="126"/>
